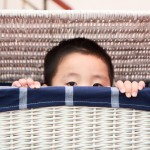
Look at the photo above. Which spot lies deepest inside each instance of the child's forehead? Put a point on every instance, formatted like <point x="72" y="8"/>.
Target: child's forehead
<point x="82" y="60"/>
<point x="74" y="55"/>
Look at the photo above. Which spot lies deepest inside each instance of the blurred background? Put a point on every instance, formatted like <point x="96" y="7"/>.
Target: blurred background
<point x="76" y="4"/>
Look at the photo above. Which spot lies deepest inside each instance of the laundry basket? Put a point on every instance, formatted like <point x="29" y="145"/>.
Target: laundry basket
<point x="68" y="118"/>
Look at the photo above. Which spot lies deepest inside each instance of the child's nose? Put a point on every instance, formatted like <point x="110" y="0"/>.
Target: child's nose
<point x="84" y="84"/>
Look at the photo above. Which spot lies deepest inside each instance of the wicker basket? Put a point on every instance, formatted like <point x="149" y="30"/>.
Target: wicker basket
<point x="26" y="36"/>
<point x="73" y="127"/>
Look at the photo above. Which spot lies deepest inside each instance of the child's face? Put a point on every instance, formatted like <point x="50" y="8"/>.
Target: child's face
<point x="78" y="69"/>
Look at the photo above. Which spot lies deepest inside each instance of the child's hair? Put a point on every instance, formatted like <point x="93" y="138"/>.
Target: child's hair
<point x="80" y="45"/>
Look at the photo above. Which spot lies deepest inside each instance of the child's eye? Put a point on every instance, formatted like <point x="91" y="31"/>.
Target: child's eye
<point x="71" y="83"/>
<point x="97" y="84"/>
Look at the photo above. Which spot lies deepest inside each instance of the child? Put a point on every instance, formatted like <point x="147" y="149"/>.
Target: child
<point x="80" y="62"/>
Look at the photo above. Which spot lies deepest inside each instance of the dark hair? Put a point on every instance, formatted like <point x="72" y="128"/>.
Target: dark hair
<point x="81" y="45"/>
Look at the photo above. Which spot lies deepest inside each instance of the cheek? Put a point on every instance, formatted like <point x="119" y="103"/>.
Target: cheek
<point x="107" y="83"/>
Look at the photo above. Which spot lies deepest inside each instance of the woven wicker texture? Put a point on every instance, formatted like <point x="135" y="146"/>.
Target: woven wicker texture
<point x="72" y="128"/>
<point x="26" y="36"/>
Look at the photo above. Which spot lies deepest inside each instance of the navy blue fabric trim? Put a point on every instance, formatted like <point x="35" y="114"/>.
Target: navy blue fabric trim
<point x="92" y="96"/>
<point x="82" y="96"/>
<point x="9" y="99"/>
<point x="141" y="102"/>
<point x="47" y="96"/>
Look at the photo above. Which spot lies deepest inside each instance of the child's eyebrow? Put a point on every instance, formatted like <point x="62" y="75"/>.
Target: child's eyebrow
<point x="72" y="74"/>
<point x="100" y="76"/>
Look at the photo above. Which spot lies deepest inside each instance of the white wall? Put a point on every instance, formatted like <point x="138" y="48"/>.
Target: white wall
<point x="110" y="4"/>
<point x="83" y="4"/>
